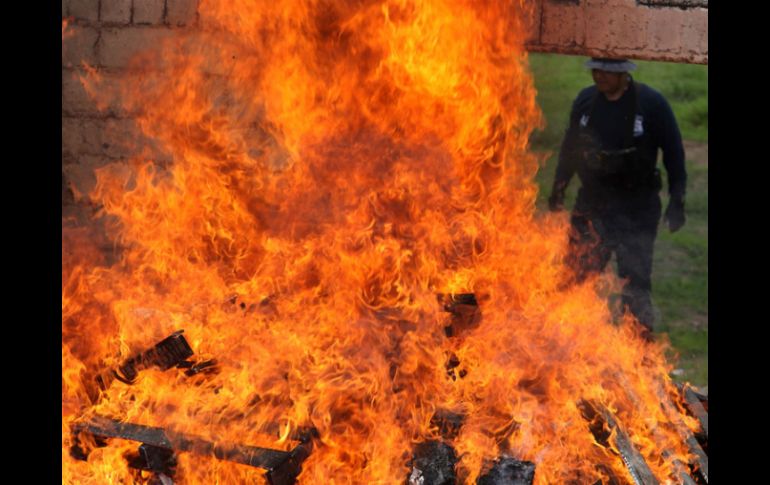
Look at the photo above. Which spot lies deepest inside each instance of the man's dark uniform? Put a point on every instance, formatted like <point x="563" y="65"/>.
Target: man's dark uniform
<point x="613" y="148"/>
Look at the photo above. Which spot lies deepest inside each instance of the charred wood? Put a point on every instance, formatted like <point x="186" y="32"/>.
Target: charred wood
<point x="703" y="398"/>
<point x="154" y="459"/>
<point x="433" y="463"/>
<point x="167" y="353"/>
<point x="683" y="472"/>
<point x="508" y="471"/>
<point x="286" y="473"/>
<point x="607" y="430"/>
<point x="700" y="463"/>
<point x="282" y="466"/>
<point x="193" y="368"/>
<point x="695" y="406"/>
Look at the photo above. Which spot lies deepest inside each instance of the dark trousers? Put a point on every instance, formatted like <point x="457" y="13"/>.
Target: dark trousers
<point x="625" y="225"/>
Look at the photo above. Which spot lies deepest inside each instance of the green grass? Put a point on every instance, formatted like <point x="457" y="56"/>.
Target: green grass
<point x="680" y="279"/>
<point x="680" y="271"/>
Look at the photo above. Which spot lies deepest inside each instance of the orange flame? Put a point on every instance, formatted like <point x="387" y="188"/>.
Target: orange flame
<point x="65" y="30"/>
<point x="336" y="164"/>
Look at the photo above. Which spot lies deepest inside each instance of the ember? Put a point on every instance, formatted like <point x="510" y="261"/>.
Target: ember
<point x="336" y="166"/>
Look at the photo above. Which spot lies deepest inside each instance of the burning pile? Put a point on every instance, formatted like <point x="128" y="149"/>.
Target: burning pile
<point x="338" y="167"/>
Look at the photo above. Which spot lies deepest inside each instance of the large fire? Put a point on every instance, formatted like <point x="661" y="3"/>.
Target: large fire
<point x="337" y="164"/>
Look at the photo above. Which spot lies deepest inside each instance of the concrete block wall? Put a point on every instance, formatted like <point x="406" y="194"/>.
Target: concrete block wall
<point x="105" y="34"/>
<point x="661" y="30"/>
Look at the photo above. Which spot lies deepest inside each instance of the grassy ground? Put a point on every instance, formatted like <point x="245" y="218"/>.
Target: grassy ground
<point x="680" y="272"/>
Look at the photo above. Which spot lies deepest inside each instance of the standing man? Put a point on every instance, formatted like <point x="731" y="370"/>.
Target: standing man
<point x="615" y="130"/>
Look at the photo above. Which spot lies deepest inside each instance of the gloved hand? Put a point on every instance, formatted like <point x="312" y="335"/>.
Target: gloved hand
<point x="674" y="215"/>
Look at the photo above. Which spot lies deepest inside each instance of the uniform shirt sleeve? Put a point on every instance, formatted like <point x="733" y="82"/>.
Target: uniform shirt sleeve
<point x="567" y="165"/>
<point x="673" y="150"/>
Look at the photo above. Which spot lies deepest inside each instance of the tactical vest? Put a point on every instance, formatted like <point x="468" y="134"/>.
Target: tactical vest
<point x="624" y="169"/>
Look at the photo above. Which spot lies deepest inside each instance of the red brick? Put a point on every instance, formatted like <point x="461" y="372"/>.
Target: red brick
<point x="623" y="28"/>
<point x="609" y="4"/>
<point x="101" y="137"/>
<point x="81" y="175"/>
<point x="664" y="29"/>
<point x="119" y="46"/>
<point x="83" y="9"/>
<point x="148" y="12"/>
<point x="109" y="94"/>
<point x="75" y="101"/>
<point x="533" y="24"/>
<point x="116" y="12"/>
<point x="615" y="28"/>
<point x="121" y="139"/>
<point x="91" y="136"/>
<point x="695" y="34"/>
<point x="71" y="135"/>
<point x="109" y="138"/>
<point x="563" y="25"/>
<point x="181" y="12"/>
<point x="632" y="27"/>
<point x="79" y="46"/>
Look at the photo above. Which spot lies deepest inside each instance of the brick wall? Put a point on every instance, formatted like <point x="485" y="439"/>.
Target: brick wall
<point x="662" y="30"/>
<point x="104" y="34"/>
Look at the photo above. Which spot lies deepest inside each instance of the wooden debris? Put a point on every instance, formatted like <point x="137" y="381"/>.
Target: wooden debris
<point x="282" y="466"/>
<point x="508" y="471"/>
<point x="682" y="470"/>
<point x="168" y="353"/>
<point x="701" y="462"/>
<point x="618" y="438"/>
<point x="433" y="463"/>
<point x="155" y="459"/>
<point x="696" y="408"/>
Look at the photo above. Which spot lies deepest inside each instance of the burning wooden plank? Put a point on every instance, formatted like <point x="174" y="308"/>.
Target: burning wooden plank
<point x="681" y="469"/>
<point x="161" y="462"/>
<point x="701" y="462"/>
<point x="282" y="466"/>
<point x="695" y="406"/>
<point x="201" y="367"/>
<point x="508" y="471"/>
<point x="598" y="416"/>
<point x="169" y="352"/>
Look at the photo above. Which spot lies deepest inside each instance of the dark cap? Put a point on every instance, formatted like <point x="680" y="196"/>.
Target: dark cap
<point x="611" y="65"/>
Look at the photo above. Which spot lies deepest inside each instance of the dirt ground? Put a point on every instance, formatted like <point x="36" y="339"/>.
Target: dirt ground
<point x="697" y="151"/>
